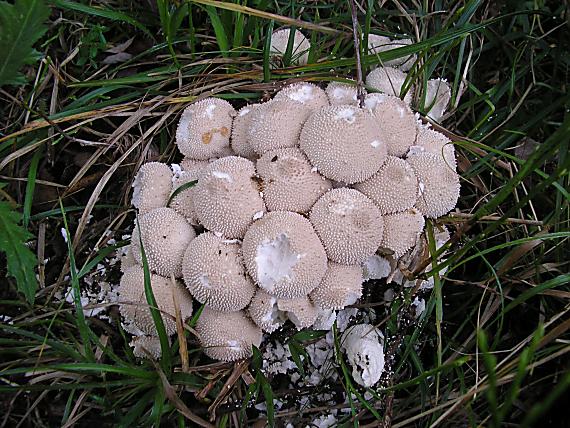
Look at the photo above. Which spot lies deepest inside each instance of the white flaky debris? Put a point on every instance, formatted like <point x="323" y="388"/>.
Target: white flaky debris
<point x="375" y="267"/>
<point x="364" y="350"/>
<point x="275" y="261"/>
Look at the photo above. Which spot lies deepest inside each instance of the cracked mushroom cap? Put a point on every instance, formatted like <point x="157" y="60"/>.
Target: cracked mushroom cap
<point x="389" y="81"/>
<point x="430" y="141"/>
<point x="394" y="188"/>
<point x="300" y="311"/>
<point x="340" y="93"/>
<point x="239" y="142"/>
<point x="378" y="44"/>
<point x="276" y="124"/>
<point x="165" y="234"/>
<point x="438" y="96"/>
<point x="264" y="312"/>
<point x="290" y="183"/>
<point x="438" y="183"/>
<point x="401" y="231"/>
<point x="348" y="224"/>
<point x="214" y="273"/>
<point x="227" y="336"/>
<point x="151" y="187"/>
<point x="204" y="129"/>
<point x="344" y="143"/>
<point x="279" y="42"/>
<point x="284" y="255"/>
<point x="227" y="197"/>
<point x="341" y="286"/>
<point x="307" y="94"/>
<point x="396" y="120"/>
<point x="134" y="307"/>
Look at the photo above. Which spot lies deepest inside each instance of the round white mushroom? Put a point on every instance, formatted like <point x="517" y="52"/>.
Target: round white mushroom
<point x="340" y="93"/>
<point x="341" y="286"/>
<point x="307" y="94"/>
<point x="390" y="81"/>
<point x="401" y="231"/>
<point x="378" y="44"/>
<point x="279" y="43"/>
<point x="239" y="142"/>
<point x="151" y="187"/>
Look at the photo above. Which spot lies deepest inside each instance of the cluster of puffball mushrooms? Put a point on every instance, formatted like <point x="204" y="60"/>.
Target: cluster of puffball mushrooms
<point x="291" y="198"/>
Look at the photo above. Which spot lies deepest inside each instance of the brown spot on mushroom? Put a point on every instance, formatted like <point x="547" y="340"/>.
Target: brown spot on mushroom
<point x="207" y="138"/>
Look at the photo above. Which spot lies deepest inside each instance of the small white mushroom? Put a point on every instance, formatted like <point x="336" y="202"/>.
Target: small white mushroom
<point x="438" y="96"/>
<point x="341" y="286"/>
<point x="363" y="345"/>
<point x="307" y="94"/>
<point x="378" y="44"/>
<point x="430" y="141"/>
<point x="279" y="42"/>
<point x="264" y="312"/>
<point x="300" y="311"/>
<point x="401" y="231"/>
<point x="389" y="81"/>
<point x="239" y="142"/>
<point x="151" y="186"/>
<point x="342" y="93"/>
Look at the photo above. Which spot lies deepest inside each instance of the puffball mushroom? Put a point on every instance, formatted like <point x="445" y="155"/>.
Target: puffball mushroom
<point x="340" y="287"/>
<point x="278" y="48"/>
<point x="300" y="311"/>
<point x="348" y="224"/>
<point x="363" y="345"/>
<point x="431" y="141"/>
<point x="227" y="197"/>
<point x="378" y="44"/>
<point x="204" y="129"/>
<point x="227" y="336"/>
<point x="390" y="81"/>
<point x="151" y="187"/>
<point x="214" y="273"/>
<point x="439" y="184"/>
<point x="394" y="188"/>
<point x="284" y="255"/>
<point x="183" y="202"/>
<point x="340" y="93"/>
<point x="289" y="181"/>
<point x="344" y="143"/>
<point x="239" y="142"/>
<point x="307" y="94"/>
<point x="264" y="312"/>
<point x="401" y="231"/>
<point x="134" y="307"/>
<point x="276" y="125"/>
<point x="165" y="234"/>
<point x="438" y="96"/>
<point x="150" y="344"/>
<point x="396" y="120"/>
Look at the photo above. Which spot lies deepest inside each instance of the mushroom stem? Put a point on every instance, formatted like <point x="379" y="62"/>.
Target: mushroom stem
<point x="359" y="84"/>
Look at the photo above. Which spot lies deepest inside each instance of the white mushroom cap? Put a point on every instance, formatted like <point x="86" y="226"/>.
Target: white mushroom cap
<point x="284" y="255"/>
<point x="341" y="286"/>
<point x="193" y="165"/>
<point x="227" y="336"/>
<point x="349" y="225"/>
<point x="308" y="94"/>
<point x="276" y="125"/>
<point x="401" y="231"/>
<point x="290" y="183"/>
<point x="227" y="197"/>
<point x="300" y="311"/>
<point x="389" y="81"/>
<point x="134" y="306"/>
<point x="438" y="96"/>
<point x="239" y="141"/>
<point x="378" y="44"/>
<point x="165" y="235"/>
<point x="394" y="188"/>
<point x="430" y="141"/>
<point x="150" y="344"/>
<point x="396" y="120"/>
<point x="214" y="273"/>
<point x="151" y="187"/>
<point x="342" y="93"/>
<point x="264" y="312"/>
<point x="344" y="143"/>
<point x="279" y="42"/>
<point x="438" y="182"/>
<point x="204" y="129"/>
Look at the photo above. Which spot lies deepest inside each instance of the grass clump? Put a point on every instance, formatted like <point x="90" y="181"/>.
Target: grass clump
<point x="103" y="97"/>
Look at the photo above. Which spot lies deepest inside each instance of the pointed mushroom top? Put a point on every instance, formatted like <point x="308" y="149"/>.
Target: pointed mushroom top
<point x="227" y="336"/>
<point x="348" y="224"/>
<point x="204" y="129"/>
<point x="284" y="255"/>
<point x="165" y="234"/>
<point x="151" y="186"/>
<point x="227" y="197"/>
<point x="214" y="273"/>
<point x="344" y="143"/>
